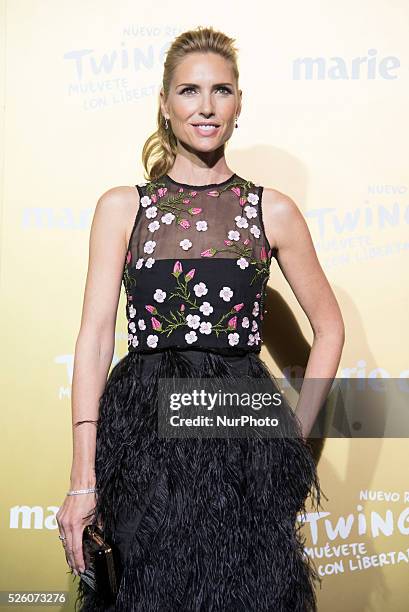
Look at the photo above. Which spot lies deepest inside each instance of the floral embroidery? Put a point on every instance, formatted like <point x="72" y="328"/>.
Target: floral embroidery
<point x="191" y="312"/>
<point x="167" y="323"/>
<point x="185" y="244"/>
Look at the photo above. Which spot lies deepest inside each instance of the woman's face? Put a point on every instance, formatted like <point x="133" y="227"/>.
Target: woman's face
<point x="202" y="91"/>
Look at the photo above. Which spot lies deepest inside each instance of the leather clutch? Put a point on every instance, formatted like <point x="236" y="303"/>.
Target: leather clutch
<point x="103" y="567"/>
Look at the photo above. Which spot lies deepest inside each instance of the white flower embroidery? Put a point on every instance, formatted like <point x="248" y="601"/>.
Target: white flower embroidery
<point x="159" y="295"/>
<point x="135" y="341"/>
<point x="242" y="262"/>
<point x="185" y="244"/>
<point x="250" y="211"/>
<point x="251" y="339"/>
<point x="233" y="338"/>
<point x="206" y="308"/>
<point x="153" y="226"/>
<point x="191" y="337"/>
<point x="233" y="235"/>
<point x="167" y="218"/>
<point x="152" y="340"/>
<point x="257" y="337"/>
<point x="145" y="201"/>
<point x="252" y="198"/>
<point x="245" y="322"/>
<point x="254" y="326"/>
<point x="151" y="212"/>
<point x="226" y="293"/>
<point x="141" y="324"/>
<point x="201" y="226"/>
<point x="132" y="327"/>
<point x="149" y="262"/>
<point x="193" y="321"/>
<point x="139" y="263"/>
<point x="205" y="327"/>
<point x="200" y="289"/>
<point x="132" y="311"/>
<point x="255" y="231"/>
<point x="241" y="221"/>
<point x="149" y="246"/>
<point x="256" y="309"/>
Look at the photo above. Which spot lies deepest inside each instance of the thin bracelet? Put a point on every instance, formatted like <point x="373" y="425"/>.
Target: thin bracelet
<point x="79" y="491"/>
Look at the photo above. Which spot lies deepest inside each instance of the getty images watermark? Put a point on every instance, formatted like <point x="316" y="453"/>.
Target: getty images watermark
<point x="257" y="407"/>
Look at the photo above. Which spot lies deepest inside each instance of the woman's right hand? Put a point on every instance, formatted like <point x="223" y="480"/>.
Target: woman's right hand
<point x="71" y="524"/>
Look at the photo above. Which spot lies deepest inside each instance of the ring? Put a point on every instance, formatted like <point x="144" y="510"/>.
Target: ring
<point x="62" y="537"/>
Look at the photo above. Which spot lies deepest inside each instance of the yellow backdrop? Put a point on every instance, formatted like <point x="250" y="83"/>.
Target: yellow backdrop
<point x="324" y="119"/>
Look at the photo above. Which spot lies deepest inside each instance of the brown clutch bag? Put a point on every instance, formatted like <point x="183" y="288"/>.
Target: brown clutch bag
<point x="103" y="568"/>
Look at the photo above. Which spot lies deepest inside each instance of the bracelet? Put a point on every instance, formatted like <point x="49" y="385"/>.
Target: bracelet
<point x="79" y="491"/>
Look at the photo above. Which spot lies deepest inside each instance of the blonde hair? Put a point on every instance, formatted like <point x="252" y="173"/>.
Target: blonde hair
<point x="159" y="151"/>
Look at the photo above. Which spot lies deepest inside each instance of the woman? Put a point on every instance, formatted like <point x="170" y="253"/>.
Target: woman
<point x="202" y="524"/>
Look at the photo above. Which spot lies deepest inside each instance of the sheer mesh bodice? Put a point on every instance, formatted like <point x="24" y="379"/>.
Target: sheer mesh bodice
<point x="196" y="267"/>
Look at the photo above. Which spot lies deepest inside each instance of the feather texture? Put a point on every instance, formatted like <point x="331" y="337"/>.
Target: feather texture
<point x="204" y="524"/>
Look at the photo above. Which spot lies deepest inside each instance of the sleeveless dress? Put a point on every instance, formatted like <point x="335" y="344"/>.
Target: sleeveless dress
<point x="203" y="524"/>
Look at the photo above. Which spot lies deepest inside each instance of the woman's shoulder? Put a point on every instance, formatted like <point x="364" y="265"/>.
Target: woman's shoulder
<point x="277" y="203"/>
<point x="120" y="195"/>
<point x="281" y="214"/>
<point x="117" y="207"/>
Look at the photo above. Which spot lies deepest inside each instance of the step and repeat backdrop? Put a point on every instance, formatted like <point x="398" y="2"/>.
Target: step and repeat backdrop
<point x="324" y="120"/>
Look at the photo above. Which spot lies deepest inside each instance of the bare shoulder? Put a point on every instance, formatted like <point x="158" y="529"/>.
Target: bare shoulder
<point x="117" y="208"/>
<point x="282" y="217"/>
<point x="118" y="197"/>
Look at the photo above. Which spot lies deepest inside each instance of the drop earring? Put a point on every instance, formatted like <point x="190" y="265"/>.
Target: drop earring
<point x="236" y="123"/>
<point x="166" y="123"/>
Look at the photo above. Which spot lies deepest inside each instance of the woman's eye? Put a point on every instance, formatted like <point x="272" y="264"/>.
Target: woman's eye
<point x="193" y="89"/>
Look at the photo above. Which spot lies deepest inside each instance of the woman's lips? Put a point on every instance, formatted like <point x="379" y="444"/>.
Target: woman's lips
<point x="211" y="131"/>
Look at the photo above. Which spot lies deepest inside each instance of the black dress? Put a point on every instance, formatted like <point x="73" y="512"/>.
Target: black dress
<point x="203" y="524"/>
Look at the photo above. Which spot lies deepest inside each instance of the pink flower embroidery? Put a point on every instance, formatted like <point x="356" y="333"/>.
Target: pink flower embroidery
<point x="177" y="269"/>
<point x="180" y="190"/>
<point x="128" y="257"/>
<point x="208" y="253"/>
<point x="232" y="323"/>
<point x="228" y="242"/>
<point x="154" y="198"/>
<point x="184" y="223"/>
<point x="258" y="295"/>
<point x="263" y="255"/>
<point x="162" y="191"/>
<point x="195" y="211"/>
<point x="246" y="241"/>
<point x="155" y="323"/>
<point x="182" y="307"/>
<point x="238" y="307"/>
<point x="186" y="201"/>
<point x="213" y="194"/>
<point x="236" y="190"/>
<point x="151" y="309"/>
<point x="190" y="274"/>
<point x="242" y="201"/>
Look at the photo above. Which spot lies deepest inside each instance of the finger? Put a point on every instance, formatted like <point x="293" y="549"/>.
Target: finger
<point x="69" y="549"/>
<point x="79" y="563"/>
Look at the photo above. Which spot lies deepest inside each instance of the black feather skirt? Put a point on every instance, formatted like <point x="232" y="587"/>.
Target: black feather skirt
<point x="202" y="524"/>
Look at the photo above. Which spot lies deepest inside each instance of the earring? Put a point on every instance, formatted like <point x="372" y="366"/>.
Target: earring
<point x="236" y="123"/>
<point x="166" y="123"/>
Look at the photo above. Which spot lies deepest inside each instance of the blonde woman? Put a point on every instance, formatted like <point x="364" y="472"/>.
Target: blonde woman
<point x="206" y="524"/>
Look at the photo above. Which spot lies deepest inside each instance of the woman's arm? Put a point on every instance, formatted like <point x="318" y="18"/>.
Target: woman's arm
<point x="111" y="226"/>
<point x="96" y="339"/>
<point x="287" y="230"/>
